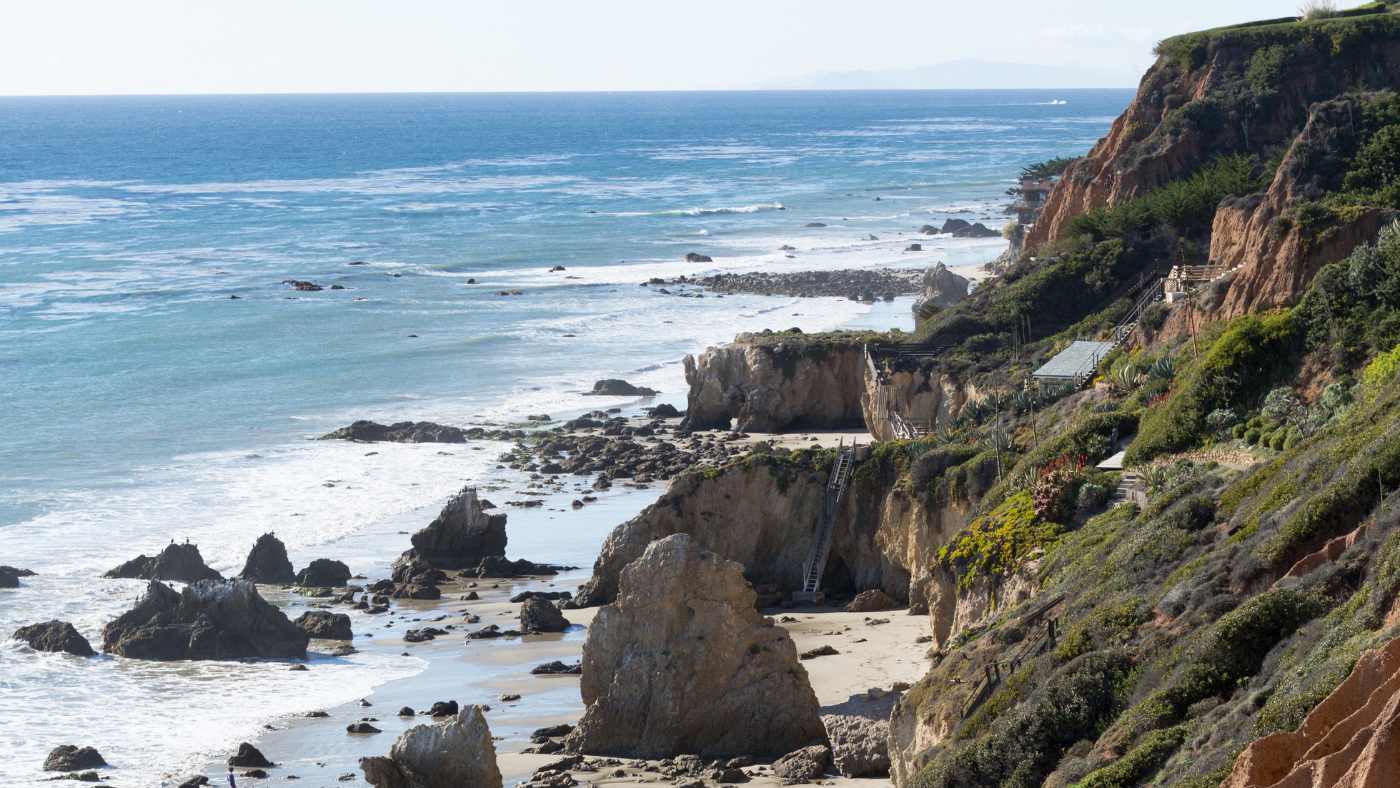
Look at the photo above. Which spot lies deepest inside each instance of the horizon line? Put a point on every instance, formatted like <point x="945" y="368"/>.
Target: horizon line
<point x="547" y="92"/>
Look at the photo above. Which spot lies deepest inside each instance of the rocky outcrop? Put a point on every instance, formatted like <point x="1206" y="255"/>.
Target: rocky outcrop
<point x="961" y="228"/>
<point x="859" y="745"/>
<point x="325" y="625"/>
<point x="206" y="620"/>
<point x="398" y="432"/>
<point x="9" y="577"/>
<point x="612" y="387"/>
<point x="460" y="536"/>
<point x="941" y="289"/>
<point x="871" y="601"/>
<point x="249" y="757"/>
<point x="268" y="563"/>
<point x="324" y="573"/>
<point x="913" y="388"/>
<point x="72" y="758"/>
<point x="762" y="513"/>
<point x="1278" y="257"/>
<point x="777" y="383"/>
<point x="1201" y="101"/>
<point x="180" y="563"/>
<point x="57" y="636"/>
<point x="450" y="754"/>
<point x="683" y="663"/>
<point x="539" y="615"/>
<point x="1350" y="740"/>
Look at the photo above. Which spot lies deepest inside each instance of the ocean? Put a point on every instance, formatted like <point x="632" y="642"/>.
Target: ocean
<point x="160" y="382"/>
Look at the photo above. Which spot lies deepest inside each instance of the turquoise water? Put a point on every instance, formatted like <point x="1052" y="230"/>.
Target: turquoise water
<point x="144" y="403"/>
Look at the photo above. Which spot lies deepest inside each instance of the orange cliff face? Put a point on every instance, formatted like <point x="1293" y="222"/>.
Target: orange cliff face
<point x="1208" y="100"/>
<point x="1350" y="740"/>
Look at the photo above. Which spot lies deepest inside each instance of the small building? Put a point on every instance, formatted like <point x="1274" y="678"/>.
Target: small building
<point x="1073" y="366"/>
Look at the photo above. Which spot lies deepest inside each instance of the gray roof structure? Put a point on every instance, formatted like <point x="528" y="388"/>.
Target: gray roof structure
<point x="1080" y="357"/>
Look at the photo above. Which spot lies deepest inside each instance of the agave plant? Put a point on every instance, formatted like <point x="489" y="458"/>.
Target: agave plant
<point x="1162" y="369"/>
<point x="1127" y="378"/>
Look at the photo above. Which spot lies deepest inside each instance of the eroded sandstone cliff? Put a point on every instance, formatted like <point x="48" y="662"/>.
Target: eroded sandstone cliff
<point x="777" y="382"/>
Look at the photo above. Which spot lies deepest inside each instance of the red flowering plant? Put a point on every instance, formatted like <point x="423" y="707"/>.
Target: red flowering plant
<point x="1055" y="486"/>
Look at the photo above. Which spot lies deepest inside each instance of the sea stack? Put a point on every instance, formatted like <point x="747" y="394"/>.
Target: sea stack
<point x="268" y="562"/>
<point x="461" y="535"/>
<point x="682" y="663"/>
<point x="179" y="563"/>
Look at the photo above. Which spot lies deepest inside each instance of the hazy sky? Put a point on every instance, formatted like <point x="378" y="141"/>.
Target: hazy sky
<point x="256" y="46"/>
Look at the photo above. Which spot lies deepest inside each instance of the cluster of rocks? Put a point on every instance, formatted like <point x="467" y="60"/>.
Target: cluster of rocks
<point x="209" y="619"/>
<point x="961" y="228"/>
<point x="417" y="432"/>
<point x="612" y="387"/>
<point x="856" y="284"/>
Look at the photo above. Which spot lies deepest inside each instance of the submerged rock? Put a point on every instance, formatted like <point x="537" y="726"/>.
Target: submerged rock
<point x="206" y="620"/>
<point x="325" y="625"/>
<point x="268" y="563"/>
<point x="613" y="387"/>
<point x="683" y="663"/>
<point x="324" y="573"/>
<point x="57" y="636"/>
<point x="398" y="432"/>
<point x="449" y="754"/>
<point x="459" y="537"/>
<point x="177" y="562"/>
<point x="72" y="758"/>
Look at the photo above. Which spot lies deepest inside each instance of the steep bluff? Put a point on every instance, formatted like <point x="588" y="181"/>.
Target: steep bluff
<point x="762" y="512"/>
<point x="1301" y="99"/>
<point x="777" y="382"/>
<point x="923" y="392"/>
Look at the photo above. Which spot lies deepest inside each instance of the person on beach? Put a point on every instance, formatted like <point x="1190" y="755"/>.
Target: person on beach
<point x="231" y="782"/>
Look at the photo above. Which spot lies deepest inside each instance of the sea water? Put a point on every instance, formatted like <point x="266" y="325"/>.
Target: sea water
<point x="158" y="381"/>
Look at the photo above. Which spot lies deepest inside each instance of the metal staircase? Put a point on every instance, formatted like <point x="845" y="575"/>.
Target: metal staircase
<point x="836" y="486"/>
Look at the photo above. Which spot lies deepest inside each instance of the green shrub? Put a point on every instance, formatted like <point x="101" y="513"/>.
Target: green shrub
<point x="1252" y="436"/>
<point x="1139" y="763"/>
<point x="1181" y="205"/>
<point x="1239" y="364"/>
<point x="997" y="543"/>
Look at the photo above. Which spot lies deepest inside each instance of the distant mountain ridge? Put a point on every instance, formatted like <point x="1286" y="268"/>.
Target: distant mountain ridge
<point x="964" y="74"/>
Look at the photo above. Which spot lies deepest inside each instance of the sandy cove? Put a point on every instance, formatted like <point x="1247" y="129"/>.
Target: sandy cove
<point x="319" y="751"/>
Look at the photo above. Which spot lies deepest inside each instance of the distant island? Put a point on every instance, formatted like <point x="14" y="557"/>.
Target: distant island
<point x="967" y="75"/>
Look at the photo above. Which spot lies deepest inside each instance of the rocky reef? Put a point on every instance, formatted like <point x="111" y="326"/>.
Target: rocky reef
<point x="208" y="619"/>
<point x="776" y="382"/>
<point x="682" y="663"/>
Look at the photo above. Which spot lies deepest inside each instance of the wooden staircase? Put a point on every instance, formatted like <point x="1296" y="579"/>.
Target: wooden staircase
<point x="836" y="486"/>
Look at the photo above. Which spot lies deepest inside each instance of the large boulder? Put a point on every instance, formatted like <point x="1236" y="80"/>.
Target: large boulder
<point x="206" y="620"/>
<point x="802" y="765"/>
<point x="540" y="615"/>
<point x="942" y="289"/>
<point x="460" y="537"/>
<point x="325" y="625"/>
<point x="180" y="563"/>
<point x="58" y="636"/>
<point x="324" y="573"/>
<point x="450" y="754"/>
<point x="268" y="562"/>
<point x="249" y="757"/>
<point x="9" y="576"/>
<point x="683" y="663"/>
<point x="871" y="601"/>
<point x="859" y="745"/>
<point x="72" y="758"/>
